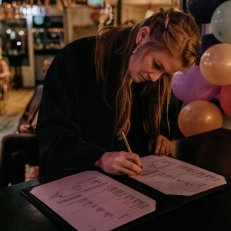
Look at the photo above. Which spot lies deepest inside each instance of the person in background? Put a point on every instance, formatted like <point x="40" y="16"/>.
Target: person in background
<point x="116" y="82"/>
<point x="21" y="148"/>
<point x="5" y="76"/>
<point x="28" y="121"/>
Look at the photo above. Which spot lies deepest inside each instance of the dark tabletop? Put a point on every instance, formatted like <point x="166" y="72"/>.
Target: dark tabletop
<point x="207" y="211"/>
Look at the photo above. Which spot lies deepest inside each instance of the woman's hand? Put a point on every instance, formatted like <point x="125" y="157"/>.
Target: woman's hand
<point x="119" y="163"/>
<point x="163" y="146"/>
<point x="26" y="128"/>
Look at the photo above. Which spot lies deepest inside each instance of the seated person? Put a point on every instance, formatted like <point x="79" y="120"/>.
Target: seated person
<point x="22" y="148"/>
<point x="5" y="76"/>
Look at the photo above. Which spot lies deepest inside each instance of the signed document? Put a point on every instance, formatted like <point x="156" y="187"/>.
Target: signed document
<point x="92" y="201"/>
<point x="174" y="177"/>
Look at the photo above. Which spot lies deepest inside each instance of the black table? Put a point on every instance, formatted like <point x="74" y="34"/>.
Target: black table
<point x="207" y="211"/>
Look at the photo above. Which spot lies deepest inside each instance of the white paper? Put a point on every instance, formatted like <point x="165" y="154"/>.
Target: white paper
<point x="92" y="201"/>
<point x="175" y="177"/>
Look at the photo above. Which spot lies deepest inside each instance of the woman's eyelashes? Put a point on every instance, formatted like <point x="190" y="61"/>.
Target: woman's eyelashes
<point x="160" y="68"/>
<point x="156" y="66"/>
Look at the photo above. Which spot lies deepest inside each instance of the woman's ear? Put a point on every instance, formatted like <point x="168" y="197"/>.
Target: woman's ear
<point x="143" y="35"/>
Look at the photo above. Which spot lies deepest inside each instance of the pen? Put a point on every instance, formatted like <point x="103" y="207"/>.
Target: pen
<point x="126" y="142"/>
<point x="128" y="146"/>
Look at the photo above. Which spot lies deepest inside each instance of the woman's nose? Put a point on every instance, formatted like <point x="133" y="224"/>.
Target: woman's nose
<point x="153" y="76"/>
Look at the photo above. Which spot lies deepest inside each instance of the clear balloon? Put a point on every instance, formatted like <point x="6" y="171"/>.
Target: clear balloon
<point x="199" y="116"/>
<point x="215" y="64"/>
<point x="225" y="99"/>
<point x="221" y="22"/>
<point x="190" y="85"/>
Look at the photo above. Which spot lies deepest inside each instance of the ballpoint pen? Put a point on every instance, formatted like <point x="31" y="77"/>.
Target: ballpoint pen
<point x="126" y="142"/>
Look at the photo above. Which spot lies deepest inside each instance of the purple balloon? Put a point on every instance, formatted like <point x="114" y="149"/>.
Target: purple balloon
<point x="190" y="85"/>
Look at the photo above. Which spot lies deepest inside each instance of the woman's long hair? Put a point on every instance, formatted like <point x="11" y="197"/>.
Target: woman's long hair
<point x="173" y="31"/>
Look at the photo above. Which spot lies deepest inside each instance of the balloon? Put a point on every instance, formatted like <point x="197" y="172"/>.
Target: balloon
<point x="225" y="99"/>
<point x="199" y="116"/>
<point x="202" y="10"/>
<point x="190" y="85"/>
<point x="221" y="22"/>
<point x="215" y="64"/>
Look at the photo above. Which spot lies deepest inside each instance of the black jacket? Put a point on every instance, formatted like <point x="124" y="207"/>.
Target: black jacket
<point x="76" y="124"/>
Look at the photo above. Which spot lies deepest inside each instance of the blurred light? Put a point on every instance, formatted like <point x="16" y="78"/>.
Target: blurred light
<point x="12" y="35"/>
<point x="8" y="31"/>
<point x="21" y="32"/>
<point x="149" y="13"/>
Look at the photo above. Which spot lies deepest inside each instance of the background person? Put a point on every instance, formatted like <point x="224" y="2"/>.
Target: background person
<point x="5" y="76"/>
<point x="118" y="81"/>
<point x="21" y="148"/>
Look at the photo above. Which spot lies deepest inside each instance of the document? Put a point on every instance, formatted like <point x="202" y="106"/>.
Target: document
<point x="175" y="177"/>
<point x="92" y="201"/>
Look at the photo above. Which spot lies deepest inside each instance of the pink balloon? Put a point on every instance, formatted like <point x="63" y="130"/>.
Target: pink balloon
<point x="225" y="99"/>
<point x="190" y="85"/>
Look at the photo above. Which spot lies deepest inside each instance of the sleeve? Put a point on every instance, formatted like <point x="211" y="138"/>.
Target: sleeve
<point x="25" y="115"/>
<point x="62" y="149"/>
<point x="32" y="107"/>
<point x="23" y="119"/>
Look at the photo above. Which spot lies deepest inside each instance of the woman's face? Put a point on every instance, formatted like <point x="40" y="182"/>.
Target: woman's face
<point x="146" y="65"/>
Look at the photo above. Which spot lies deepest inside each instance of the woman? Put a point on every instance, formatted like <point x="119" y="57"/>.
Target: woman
<point x="118" y="81"/>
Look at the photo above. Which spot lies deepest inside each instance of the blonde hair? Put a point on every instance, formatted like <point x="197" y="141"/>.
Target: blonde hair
<point x="171" y="30"/>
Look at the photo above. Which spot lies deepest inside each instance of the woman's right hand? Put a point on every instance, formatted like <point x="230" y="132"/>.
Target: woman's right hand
<point x="119" y="163"/>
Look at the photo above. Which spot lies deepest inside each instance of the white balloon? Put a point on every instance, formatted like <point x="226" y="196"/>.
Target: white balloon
<point x="221" y="22"/>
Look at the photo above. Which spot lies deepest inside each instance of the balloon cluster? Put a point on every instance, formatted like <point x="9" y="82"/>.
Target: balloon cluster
<point x="211" y="77"/>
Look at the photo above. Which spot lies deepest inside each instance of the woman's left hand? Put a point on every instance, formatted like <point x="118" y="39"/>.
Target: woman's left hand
<point x="163" y="146"/>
